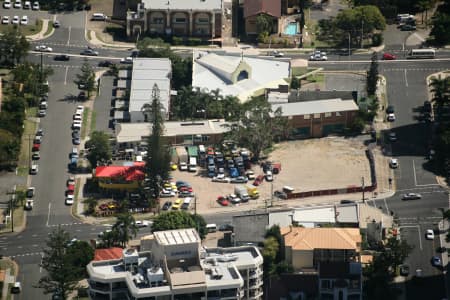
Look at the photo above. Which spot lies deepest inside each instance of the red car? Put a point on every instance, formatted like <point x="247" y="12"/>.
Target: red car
<point x="222" y="201"/>
<point x="70" y="189"/>
<point x="258" y="180"/>
<point x="36" y="147"/>
<point x="185" y="189"/>
<point x="389" y="56"/>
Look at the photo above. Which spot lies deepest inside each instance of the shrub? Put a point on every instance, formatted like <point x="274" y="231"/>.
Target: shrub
<point x="194" y="41"/>
<point x="377" y="39"/>
<point x="177" y="40"/>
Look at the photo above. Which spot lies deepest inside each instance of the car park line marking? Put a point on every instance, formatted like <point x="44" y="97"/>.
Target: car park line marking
<point x="68" y="39"/>
<point x="406" y="79"/>
<point x="65" y="76"/>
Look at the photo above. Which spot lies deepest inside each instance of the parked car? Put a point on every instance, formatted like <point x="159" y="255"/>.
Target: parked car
<point x="70" y="181"/>
<point x="226" y="227"/>
<point x="221" y="178"/>
<point x="233" y="199"/>
<point x="36" y="5"/>
<point x="5" y="20"/>
<point x="407" y="27"/>
<point x="389" y="56"/>
<point x="390" y="109"/>
<point x="250" y="175"/>
<point x="177" y="204"/>
<point x="404" y="270"/>
<point x="239" y="179"/>
<point x="30" y="192"/>
<point x="24" y="20"/>
<point x="411" y="196"/>
<point x="34" y="169"/>
<point x="392" y="136"/>
<point x="429" y="234"/>
<point x="15" y="20"/>
<point x="167" y="193"/>
<point x="105" y="63"/>
<point x="280" y="195"/>
<point x="391" y="117"/>
<point x="7" y="4"/>
<point x="29" y="204"/>
<point x="259" y="179"/>
<point x="69" y="199"/>
<point x="222" y="201"/>
<point x="62" y="57"/>
<point x="167" y="205"/>
<point x="393" y="163"/>
<point x="436" y="261"/>
<point x="36" y="156"/>
<point x="269" y="176"/>
<point x="56" y="24"/>
<point x="18" y="4"/>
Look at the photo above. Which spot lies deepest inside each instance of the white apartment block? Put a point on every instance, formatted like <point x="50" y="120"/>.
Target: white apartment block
<point x="173" y="265"/>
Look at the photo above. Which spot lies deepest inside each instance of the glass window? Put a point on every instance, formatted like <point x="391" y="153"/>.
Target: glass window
<point x="180" y="20"/>
<point x="203" y="20"/>
<point x="338" y="114"/>
<point x="306" y="117"/>
<point x="327" y="115"/>
<point x="316" y="116"/>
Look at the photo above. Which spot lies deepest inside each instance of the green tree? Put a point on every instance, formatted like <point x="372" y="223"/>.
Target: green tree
<point x="125" y="227"/>
<point x="86" y="78"/>
<point x="91" y="203"/>
<point x="264" y="23"/>
<point x="295" y="83"/>
<point x="157" y="161"/>
<point x="440" y="30"/>
<point x="79" y="255"/>
<point x="179" y="220"/>
<point x="99" y="148"/>
<point x="13" y="46"/>
<point x="269" y="253"/>
<point x="9" y="147"/>
<point x="61" y="276"/>
<point x="372" y="75"/>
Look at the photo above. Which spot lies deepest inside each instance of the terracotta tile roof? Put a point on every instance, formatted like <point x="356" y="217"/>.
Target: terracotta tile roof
<point x="269" y="7"/>
<point x="321" y="238"/>
<point x="107" y="254"/>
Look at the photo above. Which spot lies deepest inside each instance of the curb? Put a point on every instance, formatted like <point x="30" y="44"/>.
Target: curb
<point x="40" y="35"/>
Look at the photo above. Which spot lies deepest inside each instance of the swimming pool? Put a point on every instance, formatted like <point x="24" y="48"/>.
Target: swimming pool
<point x="291" y="29"/>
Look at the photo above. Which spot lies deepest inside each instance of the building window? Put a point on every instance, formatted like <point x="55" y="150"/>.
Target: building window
<point x="203" y="20"/>
<point x="316" y="116"/>
<point x="306" y="117"/>
<point x="158" y="20"/>
<point x="338" y="114"/>
<point x="327" y="115"/>
<point x="180" y="20"/>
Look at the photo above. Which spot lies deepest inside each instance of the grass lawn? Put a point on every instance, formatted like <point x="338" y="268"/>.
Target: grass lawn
<point x="85" y="119"/>
<point x="27" y="143"/>
<point x="49" y="28"/>
<point x="299" y="71"/>
<point x="316" y="78"/>
<point x="29" y="29"/>
<point x="93" y="121"/>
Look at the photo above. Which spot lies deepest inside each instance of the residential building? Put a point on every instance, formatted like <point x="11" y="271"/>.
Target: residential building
<point x="173" y="265"/>
<point x="236" y="75"/>
<point x="184" y="18"/>
<point x="131" y="135"/>
<point x="332" y="254"/>
<point x="254" y="8"/>
<point x="126" y="177"/>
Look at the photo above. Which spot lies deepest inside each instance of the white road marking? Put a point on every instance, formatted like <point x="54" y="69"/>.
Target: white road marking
<point x="65" y="76"/>
<point x="68" y="39"/>
<point x="385" y="204"/>
<point x="406" y="79"/>
<point x="48" y="216"/>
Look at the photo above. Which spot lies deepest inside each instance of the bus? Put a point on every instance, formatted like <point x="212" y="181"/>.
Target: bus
<point x="421" y="53"/>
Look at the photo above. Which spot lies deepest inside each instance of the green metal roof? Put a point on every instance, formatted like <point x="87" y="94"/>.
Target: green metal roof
<point x="192" y="151"/>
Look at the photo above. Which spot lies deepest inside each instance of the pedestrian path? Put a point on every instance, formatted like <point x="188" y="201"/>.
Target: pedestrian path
<point x="41" y="35"/>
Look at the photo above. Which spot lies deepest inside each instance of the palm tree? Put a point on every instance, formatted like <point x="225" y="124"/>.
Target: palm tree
<point x="440" y="87"/>
<point x="126" y="227"/>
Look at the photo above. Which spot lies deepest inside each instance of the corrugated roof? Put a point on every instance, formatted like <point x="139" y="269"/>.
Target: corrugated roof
<point x="177" y="237"/>
<point x="315" y="107"/>
<point x="108" y="254"/>
<point x="321" y="238"/>
<point x="183" y="4"/>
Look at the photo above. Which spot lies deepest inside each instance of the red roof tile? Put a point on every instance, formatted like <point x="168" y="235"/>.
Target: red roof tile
<point x="107" y="254"/>
<point x="129" y="173"/>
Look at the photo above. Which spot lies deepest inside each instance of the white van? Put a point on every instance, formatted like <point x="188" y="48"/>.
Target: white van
<point x="99" y="17"/>
<point x="211" y="227"/>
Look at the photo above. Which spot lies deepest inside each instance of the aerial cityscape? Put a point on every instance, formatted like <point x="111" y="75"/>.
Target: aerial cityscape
<point x="224" y="149"/>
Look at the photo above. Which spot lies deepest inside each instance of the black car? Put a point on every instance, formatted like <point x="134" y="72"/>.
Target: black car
<point x="62" y="57"/>
<point x="105" y="63"/>
<point x="76" y="141"/>
<point x="390" y="109"/>
<point x="404" y="270"/>
<point x="280" y="194"/>
<point x="167" y="205"/>
<point x="75" y="134"/>
<point x="347" y="201"/>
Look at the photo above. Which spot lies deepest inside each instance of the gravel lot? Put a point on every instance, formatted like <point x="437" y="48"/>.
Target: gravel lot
<point x="306" y="165"/>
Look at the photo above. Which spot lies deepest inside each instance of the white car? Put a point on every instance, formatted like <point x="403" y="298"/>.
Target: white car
<point x="166" y="194"/>
<point x="221" y="179"/>
<point x="15" y="20"/>
<point x="5" y="20"/>
<point x="126" y="60"/>
<point x="393" y="163"/>
<point x="391" y="117"/>
<point x="233" y="199"/>
<point x="34" y="169"/>
<point x="269" y="176"/>
<point x="140" y="224"/>
<point x="24" y="20"/>
<point x="27" y="5"/>
<point x="69" y="199"/>
<point x="276" y="53"/>
<point x="183" y="166"/>
<point x="429" y="234"/>
<point x="18" y="4"/>
<point x="7" y="4"/>
<point x="35" y="5"/>
<point x="43" y="48"/>
<point x="318" y="56"/>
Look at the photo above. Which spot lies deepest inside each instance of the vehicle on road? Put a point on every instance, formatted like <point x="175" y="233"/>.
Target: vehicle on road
<point x="69" y="199"/>
<point x="36" y="156"/>
<point x="29" y="204"/>
<point x="391" y="117"/>
<point x="318" y="56"/>
<point x="34" y="169"/>
<point x="280" y="194"/>
<point x="404" y="270"/>
<point x="242" y="193"/>
<point x="89" y="52"/>
<point x="389" y="56"/>
<point x="167" y="205"/>
<point x="144" y="223"/>
<point x="429" y="234"/>
<point x="233" y="199"/>
<point x="393" y="163"/>
<point x="126" y="60"/>
<point x="226" y="227"/>
<point x="259" y="179"/>
<point x="43" y="48"/>
<point x="407" y="27"/>
<point x="436" y="261"/>
<point x="277" y="53"/>
<point x="16" y="288"/>
<point x="62" y="57"/>
<point x="392" y="136"/>
<point x="411" y="196"/>
<point x="56" y="24"/>
<point x="105" y="63"/>
<point x="421" y="53"/>
<point x="5" y="20"/>
<point x="42" y="113"/>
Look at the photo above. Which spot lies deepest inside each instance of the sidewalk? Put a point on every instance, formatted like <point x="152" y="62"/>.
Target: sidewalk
<point x="41" y="35"/>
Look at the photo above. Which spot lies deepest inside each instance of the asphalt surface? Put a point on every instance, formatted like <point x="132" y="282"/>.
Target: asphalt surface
<point x="406" y="91"/>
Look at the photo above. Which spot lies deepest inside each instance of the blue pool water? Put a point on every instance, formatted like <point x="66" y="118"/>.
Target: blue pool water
<point x="291" y="29"/>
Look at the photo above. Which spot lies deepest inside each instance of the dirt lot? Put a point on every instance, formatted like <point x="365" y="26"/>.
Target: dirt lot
<point x="306" y="165"/>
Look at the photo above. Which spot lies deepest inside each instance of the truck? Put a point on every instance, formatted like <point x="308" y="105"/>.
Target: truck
<point x="192" y="167"/>
<point x="241" y="192"/>
<point x="252" y="191"/>
<point x="182" y="157"/>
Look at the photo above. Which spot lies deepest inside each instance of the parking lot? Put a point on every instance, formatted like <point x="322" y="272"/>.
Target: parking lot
<point x="306" y="165"/>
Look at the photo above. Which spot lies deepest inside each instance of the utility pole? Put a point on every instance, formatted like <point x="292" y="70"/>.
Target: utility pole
<point x="349" y="45"/>
<point x="13" y="198"/>
<point x="362" y="32"/>
<point x="363" y="188"/>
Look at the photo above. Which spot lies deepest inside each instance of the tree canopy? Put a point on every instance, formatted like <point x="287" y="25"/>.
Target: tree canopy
<point x="99" y="148"/>
<point x="372" y="75"/>
<point x="13" y="46"/>
<point x="86" y="78"/>
<point x="178" y="220"/>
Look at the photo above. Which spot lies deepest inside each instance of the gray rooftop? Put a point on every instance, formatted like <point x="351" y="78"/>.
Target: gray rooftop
<point x="183" y="4"/>
<point x="315" y="107"/>
<point x="146" y="73"/>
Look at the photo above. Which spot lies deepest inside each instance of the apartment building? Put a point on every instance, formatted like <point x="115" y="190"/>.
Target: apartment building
<point x="173" y="265"/>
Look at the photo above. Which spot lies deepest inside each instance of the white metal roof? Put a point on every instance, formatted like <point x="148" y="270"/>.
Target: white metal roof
<point x="315" y="107"/>
<point x="177" y="237"/>
<point x="183" y="4"/>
